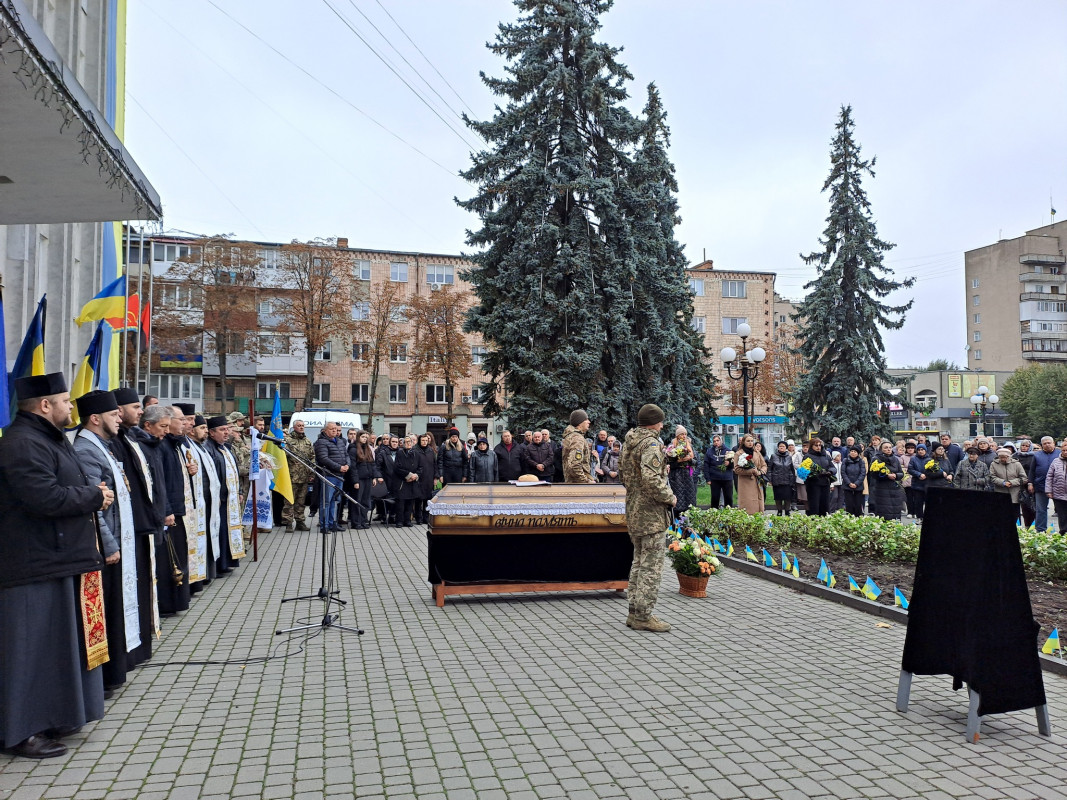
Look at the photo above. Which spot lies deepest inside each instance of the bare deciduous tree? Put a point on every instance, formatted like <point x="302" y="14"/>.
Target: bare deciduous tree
<point x="441" y="349"/>
<point x="378" y="330"/>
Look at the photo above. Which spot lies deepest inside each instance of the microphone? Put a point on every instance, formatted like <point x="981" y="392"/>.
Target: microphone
<point x="272" y="439"/>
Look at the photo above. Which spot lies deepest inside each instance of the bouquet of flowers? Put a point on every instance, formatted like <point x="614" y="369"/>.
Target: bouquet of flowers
<point x="932" y="468"/>
<point x="726" y="459"/>
<point x="744" y="461"/>
<point x="678" y="452"/>
<point x="691" y="556"/>
<point x="881" y="470"/>
<point x="808" y="468"/>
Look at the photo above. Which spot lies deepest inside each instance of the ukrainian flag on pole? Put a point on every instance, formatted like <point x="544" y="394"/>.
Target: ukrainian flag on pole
<point x="88" y="377"/>
<point x="30" y="360"/>
<point x="280" y="480"/>
<point x="109" y="303"/>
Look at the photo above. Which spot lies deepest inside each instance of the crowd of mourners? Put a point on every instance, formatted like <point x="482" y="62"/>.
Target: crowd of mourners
<point x="888" y="478"/>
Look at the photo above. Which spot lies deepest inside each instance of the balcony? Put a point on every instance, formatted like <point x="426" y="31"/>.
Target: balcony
<point x="1043" y="258"/>
<point x="266" y="405"/>
<point x="1044" y="355"/>
<point x="1041" y="277"/>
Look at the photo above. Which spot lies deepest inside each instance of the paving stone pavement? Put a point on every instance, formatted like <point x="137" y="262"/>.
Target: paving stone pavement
<point x="758" y="692"/>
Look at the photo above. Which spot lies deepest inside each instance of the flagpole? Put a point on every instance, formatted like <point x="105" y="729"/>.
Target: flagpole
<point x="140" y="312"/>
<point x="126" y="305"/>
<point x="151" y="304"/>
<point x="252" y="484"/>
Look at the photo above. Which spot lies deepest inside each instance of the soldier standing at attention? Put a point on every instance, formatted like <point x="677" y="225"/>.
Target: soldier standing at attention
<point x="241" y="445"/>
<point x="649" y="501"/>
<point x="577" y="451"/>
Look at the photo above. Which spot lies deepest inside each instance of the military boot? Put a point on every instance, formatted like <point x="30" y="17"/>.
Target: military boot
<point x="651" y="624"/>
<point x="300" y="526"/>
<point x="630" y="618"/>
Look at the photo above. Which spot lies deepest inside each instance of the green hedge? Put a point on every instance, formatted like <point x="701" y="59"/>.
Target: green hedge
<point x="1044" y="554"/>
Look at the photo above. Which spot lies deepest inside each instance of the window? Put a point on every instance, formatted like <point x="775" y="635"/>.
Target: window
<point x="926" y="398"/>
<point x="399" y="314"/>
<point x="398" y="272"/>
<point x="268" y="258"/>
<point x="733" y="289"/>
<point x="994" y="428"/>
<point x="320" y="392"/>
<point x="180" y="387"/>
<point x="477" y="395"/>
<point x="232" y="341"/>
<point x="976" y="300"/>
<point x="182" y="296"/>
<point x="729" y="324"/>
<point x="361" y="269"/>
<point x="266" y="306"/>
<point x="977" y="355"/>
<point x="435" y="393"/>
<point x="478" y="353"/>
<point x="696" y="286"/>
<point x="700" y="324"/>
<point x="360" y="392"/>
<point x="398" y="392"/>
<point x="170" y="252"/>
<point x="230" y="390"/>
<point x="977" y="319"/>
<point x="1044" y="346"/>
<point x="265" y="390"/>
<point x="274" y="344"/>
<point x="974" y="283"/>
<point x="440" y="273"/>
<point x="360" y="351"/>
<point x="325" y="352"/>
<point x="1052" y="306"/>
<point x="398" y="354"/>
<point x="361" y="311"/>
<point x="978" y="336"/>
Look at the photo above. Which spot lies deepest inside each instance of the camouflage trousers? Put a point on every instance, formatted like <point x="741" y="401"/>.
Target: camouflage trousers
<point x="645" y="574"/>
<point x="295" y="509"/>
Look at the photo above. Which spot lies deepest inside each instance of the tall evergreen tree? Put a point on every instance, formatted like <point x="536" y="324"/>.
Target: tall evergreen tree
<point x="846" y="383"/>
<point x="559" y="274"/>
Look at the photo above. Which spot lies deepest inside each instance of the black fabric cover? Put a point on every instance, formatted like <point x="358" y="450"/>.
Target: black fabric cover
<point x="970" y="614"/>
<point x="529" y="557"/>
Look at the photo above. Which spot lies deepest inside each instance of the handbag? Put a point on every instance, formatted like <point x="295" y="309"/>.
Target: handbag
<point x="379" y="490"/>
<point x="1026" y="500"/>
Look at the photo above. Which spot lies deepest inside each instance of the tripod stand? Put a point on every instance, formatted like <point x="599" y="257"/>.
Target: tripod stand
<point x="326" y="591"/>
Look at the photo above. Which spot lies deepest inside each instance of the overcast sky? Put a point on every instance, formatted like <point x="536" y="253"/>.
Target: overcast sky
<point x="291" y="127"/>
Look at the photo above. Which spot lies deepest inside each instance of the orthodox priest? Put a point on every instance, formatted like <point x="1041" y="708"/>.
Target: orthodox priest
<point x="231" y="529"/>
<point x="195" y="510"/>
<point x="210" y="486"/>
<point x="51" y="608"/>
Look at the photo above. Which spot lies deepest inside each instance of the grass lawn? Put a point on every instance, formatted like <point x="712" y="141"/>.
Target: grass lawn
<point x="704" y="495"/>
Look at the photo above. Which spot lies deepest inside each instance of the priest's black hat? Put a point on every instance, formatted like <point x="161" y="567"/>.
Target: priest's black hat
<point x="96" y="402"/>
<point x="217" y="422"/>
<point x="40" y="385"/>
<point x="124" y="396"/>
<point x="200" y="421"/>
<point x="186" y="408"/>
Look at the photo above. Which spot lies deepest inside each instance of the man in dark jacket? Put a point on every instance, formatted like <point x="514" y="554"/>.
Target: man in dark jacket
<point x="508" y="452"/>
<point x="49" y="569"/>
<point x="953" y="452"/>
<point x="452" y="459"/>
<point x="538" y="457"/>
<point x="331" y="456"/>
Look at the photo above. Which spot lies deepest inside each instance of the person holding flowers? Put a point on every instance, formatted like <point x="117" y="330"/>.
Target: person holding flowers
<point x="748" y="467"/>
<point x="887" y="473"/>
<point x="917" y="490"/>
<point x="938" y="468"/>
<point x="817" y="470"/>
<point x="719" y="472"/>
<point x="680" y="459"/>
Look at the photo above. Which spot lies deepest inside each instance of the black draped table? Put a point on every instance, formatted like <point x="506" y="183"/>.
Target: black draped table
<point x="488" y="538"/>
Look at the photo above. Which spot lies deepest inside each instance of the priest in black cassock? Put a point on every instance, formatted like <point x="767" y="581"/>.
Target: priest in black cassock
<point x="51" y="642"/>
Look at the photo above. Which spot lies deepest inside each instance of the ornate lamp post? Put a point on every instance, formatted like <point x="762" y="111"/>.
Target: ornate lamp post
<point x="743" y="366"/>
<point x="980" y="401"/>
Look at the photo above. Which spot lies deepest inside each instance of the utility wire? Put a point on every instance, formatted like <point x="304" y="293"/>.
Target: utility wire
<point x="193" y="161"/>
<point x="393" y="69"/>
<point x="328" y="88"/>
<point x="427" y="60"/>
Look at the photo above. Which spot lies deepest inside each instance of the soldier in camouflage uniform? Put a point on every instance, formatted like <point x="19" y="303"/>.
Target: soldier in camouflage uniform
<point x="577" y="451"/>
<point x="649" y="501"/>
<point x="241" y="445"/>
<point x="297" y="443"/>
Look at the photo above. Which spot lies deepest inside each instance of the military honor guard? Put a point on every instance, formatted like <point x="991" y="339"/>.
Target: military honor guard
<point x="577" y="450"/>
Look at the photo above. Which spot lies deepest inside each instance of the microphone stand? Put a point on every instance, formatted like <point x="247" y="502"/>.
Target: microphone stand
<point x="326" y="591"/>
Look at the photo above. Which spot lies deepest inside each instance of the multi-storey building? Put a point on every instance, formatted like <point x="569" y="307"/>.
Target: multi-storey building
<point x="64" y="172"/>
<point x="1016" y="300"/>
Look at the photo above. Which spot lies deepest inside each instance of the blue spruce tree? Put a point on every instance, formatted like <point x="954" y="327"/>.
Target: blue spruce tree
<point x="568" y="221"/>
<point x="845" y="381"/>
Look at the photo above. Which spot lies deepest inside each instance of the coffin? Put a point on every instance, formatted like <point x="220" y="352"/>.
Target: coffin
<point x="496" y="537"/>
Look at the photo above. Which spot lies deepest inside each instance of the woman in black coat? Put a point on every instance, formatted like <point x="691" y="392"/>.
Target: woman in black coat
<point x="818" y="482"/>
<point x="427" y="474"/>
<point x="885" y="473"/>
<point x="853" y="475"/>
<point x="782" y="475"/>
<point x="365" y="475"/>
<point x="406" y="467"/>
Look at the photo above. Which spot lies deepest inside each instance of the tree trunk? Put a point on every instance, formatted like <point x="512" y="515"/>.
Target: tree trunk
<point x="448" y="396"/>
<point x="310" y="377"/>
<point x="222" y="379"/>
<point x="369" y="424"/>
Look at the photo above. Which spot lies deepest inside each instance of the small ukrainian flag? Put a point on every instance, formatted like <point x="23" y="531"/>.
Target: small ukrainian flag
<point x="796" y="567"/>
<point x="831" y="581"/>
<point x="852" y="585"/>
<point x="750" y="555"/>
<point x="717" y="545"/>
<point x="899" y="599"/>
<point x="1053" y="643"/>
<point x="785" y="561"/>
<point x="823" y="570"/>
<point x="870" y="589"/>
<point x="729" y="548"/>
<point x="768" y="559"/>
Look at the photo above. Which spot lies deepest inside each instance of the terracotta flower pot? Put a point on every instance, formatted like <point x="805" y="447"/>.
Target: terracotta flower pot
<point x="692" y="587"/>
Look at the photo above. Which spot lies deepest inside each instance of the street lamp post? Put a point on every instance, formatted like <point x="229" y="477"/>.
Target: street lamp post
<point x="745" y="364"/>
<point x="980" y="400"/>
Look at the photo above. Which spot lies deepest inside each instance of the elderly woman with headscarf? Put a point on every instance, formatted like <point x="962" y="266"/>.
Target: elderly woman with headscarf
<point x="1008" y="476"/>
<point x="972" y="473"/>
<point x="682" y="460"/>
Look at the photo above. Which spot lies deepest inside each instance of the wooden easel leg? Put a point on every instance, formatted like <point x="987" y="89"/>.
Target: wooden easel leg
<point x="439" y="595"/>
<point x="1043" y="726"/>
<point x="974" y="723"/>
<point x="903" y="691"/>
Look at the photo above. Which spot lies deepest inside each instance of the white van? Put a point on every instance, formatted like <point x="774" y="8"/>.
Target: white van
<point x="315" y="420"/>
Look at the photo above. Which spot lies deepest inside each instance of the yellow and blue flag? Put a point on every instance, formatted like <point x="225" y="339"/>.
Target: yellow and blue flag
<point x="823" y="569"/>
<point x="870" y="589"/>
<point x="110" y="302"/>
<point x="729" y="548"/>
<point x="853" y="586"/>
<point x="768" y="559"/>
<point x="281" y="482"/>
<point x="785" y="561"/>
<point x="30" y="360"/>
<point x="796" y="566"/>
<point x="717" y="546"/>
<point x="1053" y="642"/>
<point x="899" y="599"/>
<point x="831" y="581"/>
<point x="750" y="555"/>
<point x="88" y="377"/>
